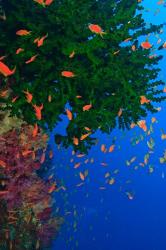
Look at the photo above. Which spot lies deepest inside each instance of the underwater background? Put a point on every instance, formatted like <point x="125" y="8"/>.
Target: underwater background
<point x="82" y="158"/>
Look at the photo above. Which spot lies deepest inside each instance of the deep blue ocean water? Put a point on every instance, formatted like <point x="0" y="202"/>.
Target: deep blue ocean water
<point x="131" y="213"/>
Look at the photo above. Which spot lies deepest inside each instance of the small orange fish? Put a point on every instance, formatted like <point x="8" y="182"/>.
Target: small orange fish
<point x="2" y="164"/>
<point x="142" y="124"/>
<point x="33" y="155"/>
<point x="77" y="165"/>
<point x="104" y="164"/>
<point x="41" y="2"/>
<point x="163" y="136"/>
<point x="153" y="120"/>
<point x="67" y="74"/>
<point x="78" y="96"/>
<point x="35" y="130"/>
<point x="19" y="50"/>
<point x="26" y="152"/>
<point x="29" y="96"/>
<point x="87" y="107"/>
<point x="84" y="136"/>
<point x="48" y="2"/>
<point x="31" y="59"/>
<point x="164" y="90"/>
<point x="52" y="188"/>
<point x="40" y="41"/>
<point x="82" y="177"/>
<point x="111" y="181"/>
<point x="69" y="114"/>
<point x="14" y="99"/>
<point x="2" y="57"/>
<point x="72" y="54"/>
<point x="80" y="155"/>
<point x="23" y="32"/>
<point x="111" y="148"/>
<point x="144" y="100"/>
<point x="127" y="39"/>
<point x="132" y="125"/>
<point x="4" y="70"/>
<point x="86" y="128"/>
<point x="120" y="112"/>
<point x="50" y="154"/>
<point x="4" y="93"/>
<point x="133" y="47"/>
<point x="146" y="45"/>
<point x="75" y="141"/>
<point x="95" y="28"/>
<point x="49" y="98"/>
<point x="103" y="148"/>
<point x="38" y="110"/>
<point x="116" y="52"/>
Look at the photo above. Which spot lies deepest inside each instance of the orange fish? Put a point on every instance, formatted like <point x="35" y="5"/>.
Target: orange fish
<point x="19" y="50"/>
<point x="72" y="54"/>
<point x="35" y="130"/>
<point x="116" y="52"/>
<point x="111" y="148"/>
<point x="50" y="154"/>
<point x="77" y="165"/>
<point x="164" y="90"/>
<point x="48" y="2"/>
<point x="2" y="57"/>
<point x="33" y="155"/>
<point x="127" y="39"/>
<point x="75" y="141"/>
<point x="103" y="148"/>
<point x="104" y="164"/>
<point x="84" y="136"/>
<point x="4" y="93"/>
<point x="49" y="98"/>
<point x="14" y="99"/>
<point x="67" y="74"/>
<point x="29" y="96"/>
<point x="31" y="59"/>
<point x="133" y="48"/>
<point x="42" y="159"/>
<point x="23" y="32"/>
<point x="95" y="28"/>
<point x="26" y="152"/>
<point x="143" y="99"/>
<point x="52" y="188"/>
<point x="120" y="112"/>
<point x="82" y="177"/>
<point x="86" y="128"/>
<point x="4" y="70"/>
<point x="146" y="45"/>
<point x="132" y="125"/>
<point x="40" y="41"/>
<point x="38" y="110"/>
<point x="142" y="124"/>
<point x="153" y="119"/>
<point x="69" y="114"/>
<point x="2" y="164"/>
<point x="80" y="155"/>
<point x="87" y="107"/>
<point x="78" y="96"/>
<point x="163" y="136"/>
<point x="41" y="2"/>
<point x="111" y="181"/>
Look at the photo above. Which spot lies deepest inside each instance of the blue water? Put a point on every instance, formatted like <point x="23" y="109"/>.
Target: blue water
<point x="106" y="219"/>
